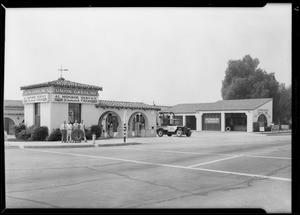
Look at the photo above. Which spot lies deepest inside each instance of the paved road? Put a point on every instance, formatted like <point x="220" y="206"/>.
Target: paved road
<point x="207" y="170"/>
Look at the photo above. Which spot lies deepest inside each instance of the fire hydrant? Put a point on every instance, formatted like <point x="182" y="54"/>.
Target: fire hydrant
<point x="94" y="138"/>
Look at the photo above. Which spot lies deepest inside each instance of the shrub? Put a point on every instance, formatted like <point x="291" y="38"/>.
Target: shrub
<point x="268" y="128"/>
<point x="88" y="134"/>
<point x="24" y="135"/>
<point x="31" y="129"/>
<point x="96" y="129"/>
<point x="55" y="135"/>
<point x="40" y="133"/>
<point x="255" y="127"/>
<point x="18" y="129"/>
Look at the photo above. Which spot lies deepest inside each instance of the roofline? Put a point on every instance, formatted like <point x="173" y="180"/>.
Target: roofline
<point x="270" y="99"/>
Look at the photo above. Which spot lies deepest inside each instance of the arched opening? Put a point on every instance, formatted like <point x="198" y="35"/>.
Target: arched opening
<point x="9" y="125"/>
<point x="137" y="125"/>
<point x="262" y="121"/>
<point x="110" y="124"/>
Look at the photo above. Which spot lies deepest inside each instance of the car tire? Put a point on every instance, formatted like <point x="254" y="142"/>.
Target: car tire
<point x="188" y="133"/>
<point x="160" y="133"/>
<point x="179" y="132"/>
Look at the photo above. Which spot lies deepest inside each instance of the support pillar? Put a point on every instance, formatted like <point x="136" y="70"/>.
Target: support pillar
<point x="222" y="121"/>
<point x="249" y="121"/>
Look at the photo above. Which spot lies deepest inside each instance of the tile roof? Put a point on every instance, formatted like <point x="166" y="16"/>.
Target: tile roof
<point x="222" y="105"/>
<point x="187" y="108"/>
<point x="125" y="105"/>
<point x="61" y="82"/>
<point x="14" y="112"/>
<point x="13" y="103"/>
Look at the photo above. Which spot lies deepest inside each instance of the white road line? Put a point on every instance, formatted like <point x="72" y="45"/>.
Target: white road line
<point x="179" y="152"/>
<point x="258" y="156"/>
<point x="213" y="161"/>
<point x="166" y="165"/>
<point x="202" y="153"/>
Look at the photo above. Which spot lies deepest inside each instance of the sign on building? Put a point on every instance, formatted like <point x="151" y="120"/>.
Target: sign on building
<point x="212" y="120"/>
<point x="36" y="98"/>
<point x="74" y="99"/>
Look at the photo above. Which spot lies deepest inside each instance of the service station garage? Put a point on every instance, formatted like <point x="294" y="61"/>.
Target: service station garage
<point x="226" y="115"/>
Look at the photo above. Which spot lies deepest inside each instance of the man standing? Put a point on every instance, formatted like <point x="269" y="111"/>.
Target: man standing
<point x="82" y="127"/>
<point x="63" y="130"/>
<point x="69" y="131"/>
<point x="75" y="125"/>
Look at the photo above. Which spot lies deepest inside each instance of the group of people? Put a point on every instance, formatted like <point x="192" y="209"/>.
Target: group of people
<point x="66" y="130"/>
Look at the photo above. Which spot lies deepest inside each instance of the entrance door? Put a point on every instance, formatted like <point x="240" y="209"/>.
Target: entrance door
<point x="190" y="122"/>
<point x="262" y="120"/>
<point x="9" y="125"/>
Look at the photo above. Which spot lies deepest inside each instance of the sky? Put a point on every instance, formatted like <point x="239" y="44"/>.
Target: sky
<point x="163" y="55"/>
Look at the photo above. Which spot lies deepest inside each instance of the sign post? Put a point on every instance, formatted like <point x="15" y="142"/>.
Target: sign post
<point x="124" y="132"/>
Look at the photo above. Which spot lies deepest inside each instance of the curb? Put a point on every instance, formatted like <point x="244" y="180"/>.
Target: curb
<point x="76" y="146"/>
<point x="117" y="144"/>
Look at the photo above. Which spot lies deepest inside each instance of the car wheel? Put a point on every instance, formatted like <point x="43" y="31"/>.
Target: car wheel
<point x="188" y="133"/>
<point x="179" y="133"/>
<point x="160" y="133"/>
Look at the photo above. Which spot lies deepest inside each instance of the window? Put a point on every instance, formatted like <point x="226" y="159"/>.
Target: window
<point x="37" y="111"/>
<point x="74" y="112"/>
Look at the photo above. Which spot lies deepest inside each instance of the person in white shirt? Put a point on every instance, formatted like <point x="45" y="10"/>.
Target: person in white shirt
<point x="69" y="131"/>
<point x="75" y="125"/>
<point x="63" y="130"/>
<point x="82" y="127"/>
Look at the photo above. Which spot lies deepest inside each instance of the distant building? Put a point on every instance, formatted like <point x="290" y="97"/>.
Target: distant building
<point x="13" y="114"/>
<point x="234" y="115"/>
<point x="50" y="103"/>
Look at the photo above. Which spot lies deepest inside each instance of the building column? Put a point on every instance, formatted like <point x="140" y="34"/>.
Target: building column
<point x="249" y="121"/>
<point x="222" y="121"/>
<point x="183" y="120"/>
<point x="199" y="121"/>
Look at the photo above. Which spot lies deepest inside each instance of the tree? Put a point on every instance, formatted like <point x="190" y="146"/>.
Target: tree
<point x="285" y="104"/>
<point x="244" y="80"/>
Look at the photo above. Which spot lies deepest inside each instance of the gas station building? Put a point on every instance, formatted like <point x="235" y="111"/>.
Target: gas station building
<point x="225" y="115"/>
<point x="50" y="103"/>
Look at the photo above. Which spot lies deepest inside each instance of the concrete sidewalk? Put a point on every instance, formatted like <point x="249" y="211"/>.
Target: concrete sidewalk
<point x="59" y="144"/>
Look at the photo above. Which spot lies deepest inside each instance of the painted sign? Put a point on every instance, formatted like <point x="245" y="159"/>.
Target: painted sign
<point x="38" y="91"/>
<point x="36" y="98"/>
<point x="262" y="111"/>
<point x="60" y="90"/>
<point x="75" y="91"/>
<point x="212" y="120"/>
<point x="74" y="99"/>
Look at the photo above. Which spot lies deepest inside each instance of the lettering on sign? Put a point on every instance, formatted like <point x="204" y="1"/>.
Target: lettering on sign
<point x="212" y="120"/>
<point x="75" y="91"/>
<point x="38" y="91"/>
<point x="262" y="111"/>
<point x="74" y="99"/>
<point x="35" y="98"/>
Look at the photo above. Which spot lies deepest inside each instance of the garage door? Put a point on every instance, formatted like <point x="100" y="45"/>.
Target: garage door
<point x="211" y="121"/>
<point x="190" y="122"/>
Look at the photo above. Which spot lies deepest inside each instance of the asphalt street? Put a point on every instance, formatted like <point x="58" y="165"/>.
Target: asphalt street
<point x="206" y="170"/>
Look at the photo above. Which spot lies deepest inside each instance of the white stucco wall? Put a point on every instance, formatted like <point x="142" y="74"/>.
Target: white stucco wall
<point x="266" y="109"/>
<point x="59" y="113"/>
<point x="29" y="114"/>
<point x="45" y="115"/>
<point x="90" y="114"/>
<point x="17" y="119"/>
